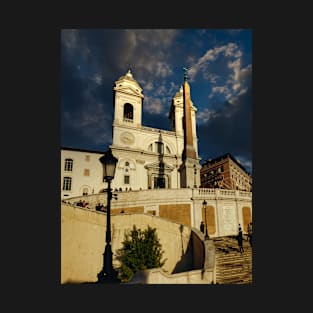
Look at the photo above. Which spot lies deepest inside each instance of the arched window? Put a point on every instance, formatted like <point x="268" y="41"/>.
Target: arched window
<point x="67" y="183"/>
<point x="128" y="111"/>
<point x="85" y="191"/>
<point x="68" y="165"/>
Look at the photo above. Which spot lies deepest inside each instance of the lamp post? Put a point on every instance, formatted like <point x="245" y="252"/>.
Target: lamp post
<point x="108" y="274"/>
<point x="206" y="237"/>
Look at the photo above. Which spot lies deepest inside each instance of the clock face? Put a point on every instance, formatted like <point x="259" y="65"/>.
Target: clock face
<point x="127" y="138"/>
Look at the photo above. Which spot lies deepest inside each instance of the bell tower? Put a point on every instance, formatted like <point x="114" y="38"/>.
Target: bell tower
<point x="127" y="102"/>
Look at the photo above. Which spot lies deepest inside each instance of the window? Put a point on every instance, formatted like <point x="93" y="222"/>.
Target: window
<point x="67" y="183"/>
<point x="126" y="179"/>
<point x="87" y="158"/>
<point x="85" y="192"/>
<point x="86" y="172"/>
<point x="150" y="147"/>
<point x="128" y="111"/>
<point x="68" y="165"/>
<point x="126" y="163"/>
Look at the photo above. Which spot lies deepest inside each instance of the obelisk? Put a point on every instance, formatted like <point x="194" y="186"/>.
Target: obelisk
<point x="190" y="168"/>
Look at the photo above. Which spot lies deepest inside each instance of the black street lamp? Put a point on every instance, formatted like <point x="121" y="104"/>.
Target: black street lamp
<point x="108" y="273"/>
<point x="206" y="237"/>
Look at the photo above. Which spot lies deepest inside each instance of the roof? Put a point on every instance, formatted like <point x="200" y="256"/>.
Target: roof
<point x="224" y="156"/>
<point x="82" y="150"/>
<point x="129" y="76"/>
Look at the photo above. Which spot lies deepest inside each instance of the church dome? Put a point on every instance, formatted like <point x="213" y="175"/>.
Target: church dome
<point x="179" y="93"/>
<point x="128" y="78"/>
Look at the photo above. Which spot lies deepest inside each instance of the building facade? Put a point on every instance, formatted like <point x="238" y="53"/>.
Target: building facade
<point x="81" y="172"/>
<point x="157" y="182"/>
<point x="148" y="158"/>
<point x="225" y="172"/>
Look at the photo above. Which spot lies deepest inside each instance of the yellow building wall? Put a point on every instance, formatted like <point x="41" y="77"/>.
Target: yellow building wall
<point x="179" y="213"/>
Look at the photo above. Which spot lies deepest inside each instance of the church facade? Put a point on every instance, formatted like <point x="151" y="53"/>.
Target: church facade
<point x="148" y="157"/>
<point x="160" y="167"/>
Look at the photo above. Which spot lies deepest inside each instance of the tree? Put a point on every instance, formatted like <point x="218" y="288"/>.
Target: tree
<point x="141" y="250"/>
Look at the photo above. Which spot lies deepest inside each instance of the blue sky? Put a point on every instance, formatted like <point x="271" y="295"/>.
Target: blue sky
<point x="220" y="78"/>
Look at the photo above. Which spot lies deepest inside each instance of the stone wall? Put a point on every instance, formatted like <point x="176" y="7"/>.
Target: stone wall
<point x="158" y="276"/>
<point x="176" y="212"/>
<point x="225" y="209"/>
<point x="83" y="241"/>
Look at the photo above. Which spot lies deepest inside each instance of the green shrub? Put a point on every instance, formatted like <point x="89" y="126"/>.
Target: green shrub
<point x="141" y="250"/>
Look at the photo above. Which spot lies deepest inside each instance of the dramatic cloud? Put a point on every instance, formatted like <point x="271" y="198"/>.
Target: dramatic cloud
<point x="229" y="130"/>
<point x="220" y="70"/>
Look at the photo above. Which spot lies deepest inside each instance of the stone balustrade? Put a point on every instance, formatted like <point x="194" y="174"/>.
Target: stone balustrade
<point x="158" y="130"/>
<point x="216" y="193"/>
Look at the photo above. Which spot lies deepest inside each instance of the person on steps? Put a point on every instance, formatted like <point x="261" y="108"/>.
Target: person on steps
<point x="240" y="239"/>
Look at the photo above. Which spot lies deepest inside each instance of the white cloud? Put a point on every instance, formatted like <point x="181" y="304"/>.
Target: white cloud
<point x="174" y="88"/>
<point x="236" y="67"/>
<point x="228" y="96"/>
<point x="155" y="37"/>
<point x="72" y="42"/>
<point x="247" y="164"/>
<point x="161" y="91"/>
<point x="229" y="51"/>
<point x="242" y="91"/>
<point x="205" y="115"/>
<point x="153" y="105"/>
<point x="148" y="86"/>
<point x="162" y="69"/>
<point x="148" y="48"/>
<point x="69" y="38"/>
<point x="236" y="86"/>
<point x="97" y="78"/>
<point x="219" y="89"/>
<point x="211" y="77"/>
<point x="238" y="80"/>
<point x="91" y="121"/>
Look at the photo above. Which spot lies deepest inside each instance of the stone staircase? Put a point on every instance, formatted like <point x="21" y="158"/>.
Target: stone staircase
<point x="232" y="267"/>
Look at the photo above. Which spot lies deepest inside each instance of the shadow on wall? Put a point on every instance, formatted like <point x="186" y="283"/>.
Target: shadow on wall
<point x="196" y="266"/>
<point x="185" y="263"/>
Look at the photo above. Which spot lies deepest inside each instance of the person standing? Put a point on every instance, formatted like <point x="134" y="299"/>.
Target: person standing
<point x="240" y="239"/>
<point x="202" y="227"/>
